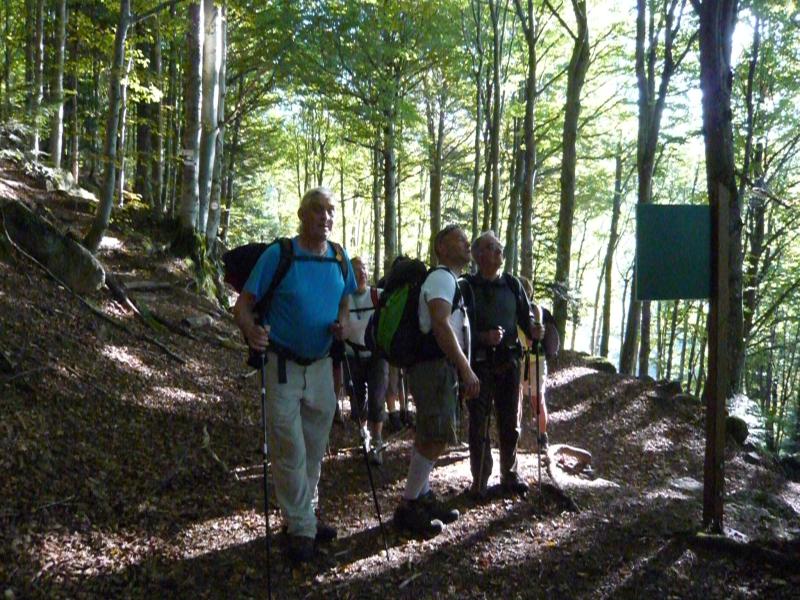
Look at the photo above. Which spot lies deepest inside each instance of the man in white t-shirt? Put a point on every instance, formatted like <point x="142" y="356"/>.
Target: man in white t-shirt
<point x="367" y="375"/>
<point x="434" y="382"/>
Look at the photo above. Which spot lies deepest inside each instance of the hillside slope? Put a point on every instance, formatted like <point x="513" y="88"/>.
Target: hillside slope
<point x="130" y="466"/>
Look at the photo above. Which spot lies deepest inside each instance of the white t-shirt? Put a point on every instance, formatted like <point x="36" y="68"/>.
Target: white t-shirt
<point x="441" y="284"/>
<point x="361" y="309"/>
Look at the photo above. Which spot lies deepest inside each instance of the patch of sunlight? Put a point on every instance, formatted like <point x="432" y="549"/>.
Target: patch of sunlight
<point x="567" y="376"/>
<point x="173" y="394"/>
<point x="563" y="415"/>
<point x="125" y="358"/>
<point x="666" y="493"/>
<point x="220" y="533"/>
<point x="653" y="438"/>
<point x="110" y="243"/>
<point x="91" y="554"/>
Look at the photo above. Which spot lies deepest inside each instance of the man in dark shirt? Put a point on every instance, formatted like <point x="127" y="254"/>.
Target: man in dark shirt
<point x="496" y="304"/>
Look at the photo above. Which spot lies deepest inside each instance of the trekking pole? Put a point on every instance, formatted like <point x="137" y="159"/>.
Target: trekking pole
<point x="535" y="349"/>
<point x="265" y="452"/>
<point x="365" y="452"/>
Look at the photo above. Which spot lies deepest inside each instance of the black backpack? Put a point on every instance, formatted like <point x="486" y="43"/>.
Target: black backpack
<point x="393" y="330"/>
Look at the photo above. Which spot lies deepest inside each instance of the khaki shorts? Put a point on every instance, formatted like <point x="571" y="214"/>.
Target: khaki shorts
<point x="434" y="386"/>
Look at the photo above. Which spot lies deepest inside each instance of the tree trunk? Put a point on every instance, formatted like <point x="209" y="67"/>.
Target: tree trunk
<point x="434" y="113"/>
<point x="6" y="59"/>
<point x="684" y="340"/>
<point x="157" y="114"/>
<point x="518" y="180"/>
<point x="38" y="75"/>
<point x="530" y="27"/>
<point x="578" y="65"/>
<point x="673" y="328"/>
<point x="389" y="192"/>
<point x="103" y="215"/>
<point x="57" y="131"/>
<point x="193" y="77"/>
<point x="216" y="185"/>
<point x="376" y="215"/>
<point x="123" y="117"/>
<point x="494" y="132"/>
<point x="609" y="260"/>
<point x="644" y="342"/>
<point x="144" y="137"/>
<point x="209" y="120"/>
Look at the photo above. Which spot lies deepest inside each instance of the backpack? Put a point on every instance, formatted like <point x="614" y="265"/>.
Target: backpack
<point x="551" y="342"/>
<point x="393" y="330"/>
<point x="240" y="261"/>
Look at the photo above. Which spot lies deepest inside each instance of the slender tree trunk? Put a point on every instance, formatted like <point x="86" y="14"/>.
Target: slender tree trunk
<point x="143" y="183"/>
<point x="644" y="342"/>
<point x="57" y="131"/>
<point x="209" y="120"/>
<point x="530" y="28"/>
<point x="609" y="260"/>
<point x="75" y="137"/>
<point x="376" y="215"/>
<point x="193" y="77"/>
<point x="389" y="192"/>
<point x="517" y="181"/>
<point x="684" y="340"/>
<point x="6" y="59"/>
<point x="214" y="207"/>
<point x="494" y="148"/>
<point x="673" y="328"/>
<point x="576" y="75"/>
<point x="38" y="75"/>
<point x="157" y="113"/>
<point x="103" y="214"/>
<point x="123" y="119"/>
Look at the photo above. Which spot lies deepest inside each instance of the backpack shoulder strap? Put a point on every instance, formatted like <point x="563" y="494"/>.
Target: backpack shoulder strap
<point x="373" y="294"/>
<point x="338" y="253"/>
<point x="285" y="259"/>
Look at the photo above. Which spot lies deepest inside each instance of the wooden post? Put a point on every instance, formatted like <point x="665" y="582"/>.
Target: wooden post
<point x="716" y="384"/>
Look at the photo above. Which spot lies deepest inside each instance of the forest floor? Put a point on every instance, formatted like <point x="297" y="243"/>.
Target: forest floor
<point x="127" y="471"/>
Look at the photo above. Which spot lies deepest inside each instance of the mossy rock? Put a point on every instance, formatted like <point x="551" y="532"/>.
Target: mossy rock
<point x="737" y="429"/>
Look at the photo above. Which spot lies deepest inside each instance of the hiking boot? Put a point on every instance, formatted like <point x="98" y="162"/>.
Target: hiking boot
<point x="437" y="510"/>
<point x="513" y="484"/>
<point x="413" y="516"/>
<point x="325" y="533"/>
<point x="543" y="442"/>
<point x="375" y="454"/>
<point x="300" y="548"/>
<point x="477" y="492"/>
<point x="394" y="423"/>
<point x="407" y="417"/>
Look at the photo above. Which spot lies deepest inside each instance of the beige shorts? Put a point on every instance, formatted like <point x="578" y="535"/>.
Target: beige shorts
<point x="434" y="385"/>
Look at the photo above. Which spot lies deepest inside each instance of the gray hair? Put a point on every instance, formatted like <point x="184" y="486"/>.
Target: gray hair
<point x="314" y="195"/>
<point x="476" y="243"/>
<point x="310" y="198"/>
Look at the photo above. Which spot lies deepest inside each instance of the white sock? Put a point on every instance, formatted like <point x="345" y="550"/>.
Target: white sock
<point x="418" y="472"/>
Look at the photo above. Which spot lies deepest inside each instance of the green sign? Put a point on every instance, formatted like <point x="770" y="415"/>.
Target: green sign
<point x="673" y="251"/>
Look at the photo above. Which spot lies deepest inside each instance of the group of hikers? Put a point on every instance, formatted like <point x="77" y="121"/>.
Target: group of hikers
<point x="474" y="332"/>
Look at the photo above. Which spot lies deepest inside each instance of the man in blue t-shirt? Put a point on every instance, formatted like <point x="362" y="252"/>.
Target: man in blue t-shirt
<point x="308" y="309"/>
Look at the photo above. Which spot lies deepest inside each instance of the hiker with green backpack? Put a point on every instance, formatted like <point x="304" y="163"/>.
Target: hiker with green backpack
<point x="435" y="342"/>
<point x="293" y="304"/>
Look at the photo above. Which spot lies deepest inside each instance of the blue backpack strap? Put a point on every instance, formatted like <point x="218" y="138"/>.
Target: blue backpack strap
<point x="285" y="260"/>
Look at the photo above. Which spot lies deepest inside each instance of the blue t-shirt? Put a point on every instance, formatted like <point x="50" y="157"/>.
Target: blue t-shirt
<point x="306" y="302"/>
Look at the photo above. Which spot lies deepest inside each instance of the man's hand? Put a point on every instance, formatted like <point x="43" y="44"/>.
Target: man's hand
<point x="493" y="337"/>
<point x="536" y="331"/>
<point x="470" y="383"/>
<point x="338" y="330"/>
<point x="257" y="337"/>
